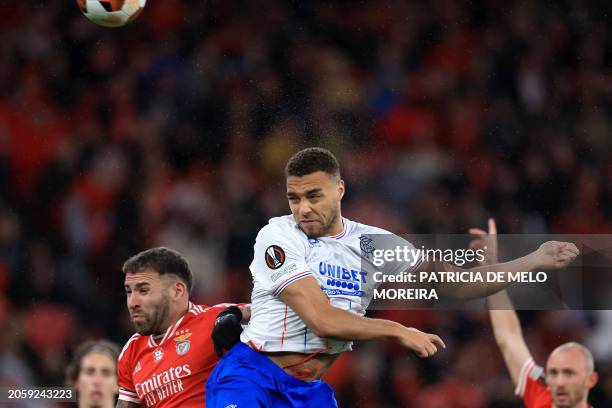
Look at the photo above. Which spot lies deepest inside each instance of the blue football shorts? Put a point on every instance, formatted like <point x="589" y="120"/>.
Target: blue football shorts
<point x="245" y="378"/>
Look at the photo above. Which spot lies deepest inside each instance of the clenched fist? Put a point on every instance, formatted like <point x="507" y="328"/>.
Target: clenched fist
<point x="555" y="255"/>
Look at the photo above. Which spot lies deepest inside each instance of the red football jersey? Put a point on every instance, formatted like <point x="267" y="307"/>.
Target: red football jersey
<point x="171" y="371"/>
<point x="531" y="386"/>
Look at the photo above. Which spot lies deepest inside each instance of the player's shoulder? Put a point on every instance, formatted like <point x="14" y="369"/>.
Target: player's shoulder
<point x="132" y="344"/>
<point x="531" y="383"/>
<point x="353" y="228"/>
<point x="282" y="223"/>
<point x="204" y="312"/>
<point x="284" y="227"/>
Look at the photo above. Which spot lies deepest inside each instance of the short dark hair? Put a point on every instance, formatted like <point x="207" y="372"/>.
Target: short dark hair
<point x="311" y="160"/>
<point x="90" y="346"/>
<point x="163" y="261"/>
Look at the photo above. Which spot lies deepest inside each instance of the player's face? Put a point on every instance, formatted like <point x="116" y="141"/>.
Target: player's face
<point x="567" y="378"/>
<point x="147" y="301"/>
<point x="97" y="381"/>
<point x="314" y="200"/>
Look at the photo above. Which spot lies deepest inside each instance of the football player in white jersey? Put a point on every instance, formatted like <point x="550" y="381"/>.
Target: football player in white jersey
<point x="310" y="294"/>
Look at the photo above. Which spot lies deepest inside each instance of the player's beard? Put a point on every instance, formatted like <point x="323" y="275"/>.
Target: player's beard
<point x="572" y="401"/>
<point x="324" y="230"/>
<point x="152" y="324"/>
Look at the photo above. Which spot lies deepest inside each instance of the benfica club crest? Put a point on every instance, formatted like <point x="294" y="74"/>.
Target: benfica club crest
<point x="182" y="347"/>
<point x="158" y="354"/>
<point x="182" y="344"/>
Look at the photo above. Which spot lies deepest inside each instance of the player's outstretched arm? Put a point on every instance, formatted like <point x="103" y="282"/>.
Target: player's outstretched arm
<point x="310" y="303"/>
<point x="126" y="404"/>
<point x="508" y="334"/>
<point x="550" y="255"/>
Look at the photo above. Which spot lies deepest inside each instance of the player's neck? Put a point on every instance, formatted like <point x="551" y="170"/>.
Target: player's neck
<point x="172" y="319"/>
<point x="337" y="228"/>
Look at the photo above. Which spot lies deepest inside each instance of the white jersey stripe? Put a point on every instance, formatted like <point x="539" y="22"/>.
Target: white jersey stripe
<point x="524" y="374"/>
<point x="134" y="337"/>
<point x="123" y="397"/>
<point x="291" y="280"/>
<point x="128" y="393"/>
<point x="169" y="332"/>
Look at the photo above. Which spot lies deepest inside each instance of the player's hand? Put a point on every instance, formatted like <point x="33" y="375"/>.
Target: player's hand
<point x="423" y="344"/>
<point x="486" y="242"/>
<point x="227" y="330"/>
<point x="555" y="255"/>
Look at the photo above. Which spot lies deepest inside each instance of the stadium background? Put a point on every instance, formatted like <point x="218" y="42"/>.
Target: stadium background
<point x="174" y="131"/>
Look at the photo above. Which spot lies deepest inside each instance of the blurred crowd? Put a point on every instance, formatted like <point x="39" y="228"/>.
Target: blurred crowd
<point x="175" y="130"/>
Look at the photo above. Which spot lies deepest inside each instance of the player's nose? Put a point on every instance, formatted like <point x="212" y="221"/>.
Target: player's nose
<point x="133" y="302"/>
<point x="305" y="208"/>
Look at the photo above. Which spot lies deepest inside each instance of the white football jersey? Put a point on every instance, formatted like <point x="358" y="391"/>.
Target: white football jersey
<point x="284" y="255"/>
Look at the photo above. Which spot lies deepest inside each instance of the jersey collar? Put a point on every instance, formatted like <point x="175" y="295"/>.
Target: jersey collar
<point x="168" y="334"/>
<point x="342" y="233"/>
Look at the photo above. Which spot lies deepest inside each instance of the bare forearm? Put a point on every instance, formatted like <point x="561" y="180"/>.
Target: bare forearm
<point x="310" y="303"/>
<point x="475" y="290"/>
<point x="505" y="322"/>
<point x="508" y="334"/>
<point x="344" y="325"/>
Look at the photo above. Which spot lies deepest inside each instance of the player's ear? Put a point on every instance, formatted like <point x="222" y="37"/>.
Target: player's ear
<point x="592" y="380"/>
<point x="178" y="289"/>
<point x="341" y="188"/>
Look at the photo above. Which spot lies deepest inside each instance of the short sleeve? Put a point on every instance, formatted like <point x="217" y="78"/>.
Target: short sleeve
<point x="279" y="259"/>
<point x="127" y="391"/>
<point x="531" y="386"/>
<point x="382" y="240"/>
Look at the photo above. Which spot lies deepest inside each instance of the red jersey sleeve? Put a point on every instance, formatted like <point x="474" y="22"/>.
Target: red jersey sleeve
<point x="127" y="391"/>
<point x="216" y="309"/>
<point x="531" y="386"/>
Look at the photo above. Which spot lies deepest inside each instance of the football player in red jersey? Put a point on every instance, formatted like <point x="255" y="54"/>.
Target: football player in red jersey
<point x="167" y="362"/>
<point x="569" y="372"/>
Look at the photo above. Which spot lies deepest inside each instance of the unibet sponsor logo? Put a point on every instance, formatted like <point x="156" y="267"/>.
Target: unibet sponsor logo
<point x="342" y="280"/>
<point x="342" y="273"/>
<point x="160" y="386"/>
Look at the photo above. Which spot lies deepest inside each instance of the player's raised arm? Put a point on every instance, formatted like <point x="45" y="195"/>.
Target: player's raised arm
<point x="505" y="322"/>
<point x="549" y="256"/>
<point x="310" y="303"/>
<point x="508" y="334"/>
